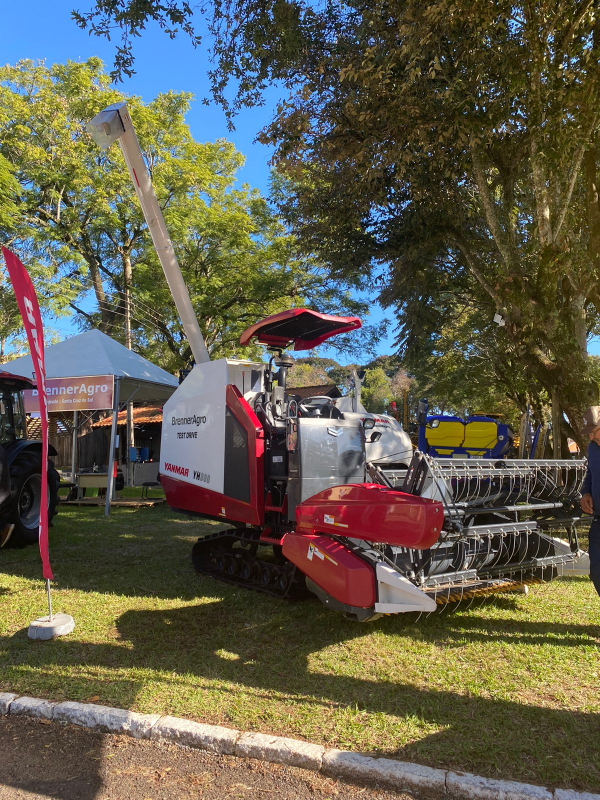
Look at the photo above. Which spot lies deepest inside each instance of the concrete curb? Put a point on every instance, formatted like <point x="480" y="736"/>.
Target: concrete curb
<point x="401" y="776"/>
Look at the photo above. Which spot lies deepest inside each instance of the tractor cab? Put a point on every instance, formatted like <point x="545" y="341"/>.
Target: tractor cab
<point x="21" y="468"/>
<point x="12" y="414"/>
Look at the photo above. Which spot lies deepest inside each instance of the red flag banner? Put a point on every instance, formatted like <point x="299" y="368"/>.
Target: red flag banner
<point x="32" y="320"/>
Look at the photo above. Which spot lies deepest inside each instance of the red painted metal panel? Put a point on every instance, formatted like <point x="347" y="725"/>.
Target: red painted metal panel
<point x="308" y="333"/>
<point x="372" y="512"/>
<point x="190" y="497"/>
<point x="332" y="567"/>
<point x="19" y="381"/>
<point x="256" y="447"/>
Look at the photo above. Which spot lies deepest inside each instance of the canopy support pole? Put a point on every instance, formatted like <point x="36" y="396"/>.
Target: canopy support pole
<point x="111" y="450"/>
<point x="130" y="444"/>
<point x="74" y="446"/>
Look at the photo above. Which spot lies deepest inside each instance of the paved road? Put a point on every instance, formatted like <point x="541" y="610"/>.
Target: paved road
<point x="44" y="759"/>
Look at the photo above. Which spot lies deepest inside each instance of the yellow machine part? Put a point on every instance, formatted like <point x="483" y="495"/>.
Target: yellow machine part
<point x="448" y="434"/>
<point x="480" y="436"/>
<point x="458" y="593"/>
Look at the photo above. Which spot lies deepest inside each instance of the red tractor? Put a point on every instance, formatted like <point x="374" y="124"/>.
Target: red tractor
<point x="21" y="468"/>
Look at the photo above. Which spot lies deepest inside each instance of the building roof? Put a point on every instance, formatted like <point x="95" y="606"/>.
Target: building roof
<point x="145" y="415"/>
<point x="325" y="390"/>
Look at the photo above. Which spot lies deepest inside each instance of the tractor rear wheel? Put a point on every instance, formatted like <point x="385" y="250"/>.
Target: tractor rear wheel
<point x="26" y="488"/>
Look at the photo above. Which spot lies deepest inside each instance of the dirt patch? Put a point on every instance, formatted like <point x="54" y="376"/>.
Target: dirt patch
<point x="40" y="759"/>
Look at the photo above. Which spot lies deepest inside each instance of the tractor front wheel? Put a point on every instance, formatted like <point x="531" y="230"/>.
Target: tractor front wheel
<point x="26" y="492"/>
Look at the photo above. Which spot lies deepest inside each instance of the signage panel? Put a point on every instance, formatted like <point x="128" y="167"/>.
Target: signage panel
<point x="93" y="393"/>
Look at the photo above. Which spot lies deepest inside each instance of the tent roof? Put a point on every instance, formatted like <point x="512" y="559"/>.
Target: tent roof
<point x="94" y="353"/>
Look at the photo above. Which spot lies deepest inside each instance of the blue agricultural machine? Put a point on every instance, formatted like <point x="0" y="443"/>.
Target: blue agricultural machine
<point x="476" y="436"/>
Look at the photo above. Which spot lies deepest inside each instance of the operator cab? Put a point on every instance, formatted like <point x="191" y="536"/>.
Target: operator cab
<point x="304" y="329"/>
<point x="310" y="445"/>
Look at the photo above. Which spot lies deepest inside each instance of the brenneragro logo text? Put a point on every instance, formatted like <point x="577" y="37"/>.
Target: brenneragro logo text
<point x="177" y="470"/>
<point x="193" y="420"/>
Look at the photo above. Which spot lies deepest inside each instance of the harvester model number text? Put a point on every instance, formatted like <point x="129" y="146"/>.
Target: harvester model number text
<point x="203" y="477"/>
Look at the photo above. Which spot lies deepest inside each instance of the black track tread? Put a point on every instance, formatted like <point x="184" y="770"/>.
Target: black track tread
<point x="22" y="464"/>
<point x="227" y="539"/>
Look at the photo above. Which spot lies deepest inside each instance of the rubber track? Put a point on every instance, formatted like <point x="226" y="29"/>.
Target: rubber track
<point x="205" y="546"/>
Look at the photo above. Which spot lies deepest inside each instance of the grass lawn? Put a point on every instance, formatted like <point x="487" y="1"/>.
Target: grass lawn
<point x="508" y="687"/>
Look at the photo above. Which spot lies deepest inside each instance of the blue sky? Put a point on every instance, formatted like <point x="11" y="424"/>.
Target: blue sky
<point x="43" y="29"/>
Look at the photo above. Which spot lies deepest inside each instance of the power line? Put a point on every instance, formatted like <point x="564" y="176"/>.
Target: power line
<point x="142" y="306"/>
<point x="135" y="319"/>
<point x="132" y="297"/>
<point x="153" y="318"/>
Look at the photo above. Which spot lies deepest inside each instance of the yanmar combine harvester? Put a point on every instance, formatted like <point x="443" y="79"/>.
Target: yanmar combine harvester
<point x="318" y="494"/>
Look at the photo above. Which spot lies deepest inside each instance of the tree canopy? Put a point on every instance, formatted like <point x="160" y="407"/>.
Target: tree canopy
<point x="78" y="216"/>
<point x="452" y="146"/>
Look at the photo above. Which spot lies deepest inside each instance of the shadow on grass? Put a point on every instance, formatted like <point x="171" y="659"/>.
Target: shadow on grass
<point x="140" y="552"/>
<point x="271" y="657"/>
<point x="228" y="638"/>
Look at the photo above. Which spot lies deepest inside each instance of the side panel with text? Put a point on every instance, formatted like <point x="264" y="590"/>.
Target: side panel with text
<point x="193" y="431"/>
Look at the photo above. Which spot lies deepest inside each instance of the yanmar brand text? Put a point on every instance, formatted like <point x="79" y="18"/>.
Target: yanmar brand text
<point x="177" y="470"/>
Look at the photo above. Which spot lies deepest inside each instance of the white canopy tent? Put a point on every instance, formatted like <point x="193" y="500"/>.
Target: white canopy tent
<point x="94" y="353"/>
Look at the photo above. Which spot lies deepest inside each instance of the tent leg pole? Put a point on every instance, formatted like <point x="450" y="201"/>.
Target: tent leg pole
<point x="74" y="447"/>
<point x="130" y="444"/>
<point x="111" y="450"/>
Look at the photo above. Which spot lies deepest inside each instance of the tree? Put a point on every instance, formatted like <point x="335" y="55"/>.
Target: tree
<point x="452" y="143"/>
<point x="12" y="340"/>
<point x="78" y="214"/>
<point x="468" y="368"/>
<point x="376" y="393"/>
<point x="314" y="370"/>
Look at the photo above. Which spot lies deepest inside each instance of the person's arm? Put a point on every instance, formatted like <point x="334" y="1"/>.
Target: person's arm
<point x="587" y="504"/>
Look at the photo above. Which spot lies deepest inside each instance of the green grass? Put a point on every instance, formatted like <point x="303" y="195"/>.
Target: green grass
<point x="505" y="688"/>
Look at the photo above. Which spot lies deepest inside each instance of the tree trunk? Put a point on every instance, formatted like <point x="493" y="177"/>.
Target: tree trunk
<point x="556" y="426"/>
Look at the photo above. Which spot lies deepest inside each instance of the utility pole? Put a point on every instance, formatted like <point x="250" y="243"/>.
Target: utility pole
<point x="127" y="281"/>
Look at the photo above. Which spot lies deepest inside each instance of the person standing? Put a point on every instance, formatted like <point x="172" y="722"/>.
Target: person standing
<point x="590" y="500"/>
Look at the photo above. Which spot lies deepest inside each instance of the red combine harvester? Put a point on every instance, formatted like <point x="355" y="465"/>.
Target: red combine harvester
<point x="305" y="507"/>
<point x="320" y="495"/>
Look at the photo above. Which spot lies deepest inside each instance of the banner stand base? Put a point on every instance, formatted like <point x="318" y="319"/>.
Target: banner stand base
<point x="51" y="627"/>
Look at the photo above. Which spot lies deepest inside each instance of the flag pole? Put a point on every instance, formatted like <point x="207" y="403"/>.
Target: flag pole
<point x="54" y="624"/>
<point x="50" y="619"/>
